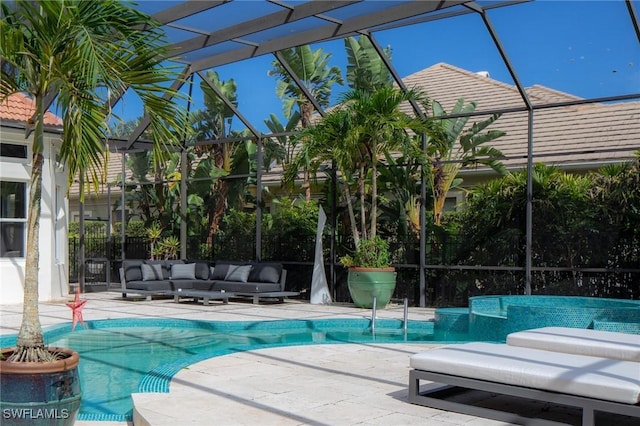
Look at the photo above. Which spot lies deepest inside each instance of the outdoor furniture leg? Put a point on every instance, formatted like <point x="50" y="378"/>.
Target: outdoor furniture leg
<point x="588" y="417"/>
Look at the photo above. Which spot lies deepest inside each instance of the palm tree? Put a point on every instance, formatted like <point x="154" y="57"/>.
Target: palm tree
<point x="313" y="70"/>
<point x="79" y="50"/>
<point x="356" y="135"/>
<point x="380" y="127"/>
<point x="452" y="146"/>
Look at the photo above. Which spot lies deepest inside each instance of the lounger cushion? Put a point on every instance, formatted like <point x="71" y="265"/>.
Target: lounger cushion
<point x="581" y="375"/>
<point x="604" y="344"/>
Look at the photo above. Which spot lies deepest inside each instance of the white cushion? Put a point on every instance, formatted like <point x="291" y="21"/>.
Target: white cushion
<point x="581" y="375"/>
<point x="151" y="272"/>
<point x="238" y="273"/>
<point x="183" y="271"/>
<point x="604" y="344"/>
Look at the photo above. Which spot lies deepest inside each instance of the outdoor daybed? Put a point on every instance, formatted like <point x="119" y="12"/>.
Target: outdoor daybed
<point x="590" y="383"/>
<point x="192" y="279"/>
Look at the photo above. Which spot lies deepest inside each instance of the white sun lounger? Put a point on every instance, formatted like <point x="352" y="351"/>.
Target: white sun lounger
<point x="589" y="383"/>
<point x="604" y="344"/>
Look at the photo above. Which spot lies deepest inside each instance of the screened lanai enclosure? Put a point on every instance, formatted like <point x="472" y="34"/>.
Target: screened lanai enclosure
<point x="522" y="179"/>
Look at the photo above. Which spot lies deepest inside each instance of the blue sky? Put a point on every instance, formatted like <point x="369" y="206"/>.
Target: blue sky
<point x="587" y="48"/>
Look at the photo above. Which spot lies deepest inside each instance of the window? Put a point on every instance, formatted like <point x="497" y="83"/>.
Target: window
<point x="13" y="218"/>
<point x="13" y="150"/>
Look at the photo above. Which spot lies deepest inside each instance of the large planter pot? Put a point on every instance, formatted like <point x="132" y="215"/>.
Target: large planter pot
<point x="367" y="283"/>
<point x="40" y="393"/>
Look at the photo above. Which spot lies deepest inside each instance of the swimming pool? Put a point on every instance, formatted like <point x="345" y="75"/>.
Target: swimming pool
<point x="119" y="357"/>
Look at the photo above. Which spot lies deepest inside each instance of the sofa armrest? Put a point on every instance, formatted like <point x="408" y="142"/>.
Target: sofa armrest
<point x="283" y="279"/>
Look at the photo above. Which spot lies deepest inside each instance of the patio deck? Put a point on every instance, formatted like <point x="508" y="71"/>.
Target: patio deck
<point x="350" y="384"/>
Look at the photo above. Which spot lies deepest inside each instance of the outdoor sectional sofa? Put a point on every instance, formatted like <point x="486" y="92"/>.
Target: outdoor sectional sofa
<point x="196" y="279"/>
<point x="600" y="373"/>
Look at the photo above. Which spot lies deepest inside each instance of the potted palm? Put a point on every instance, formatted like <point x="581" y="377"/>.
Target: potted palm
<point x="370" y="273"/>
<point x="356" y="135"/>
<point x="74" y="52"/>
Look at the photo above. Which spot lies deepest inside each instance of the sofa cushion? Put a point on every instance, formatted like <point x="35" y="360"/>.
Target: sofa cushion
<point x="265" y="272"/>
<point x="220" y="271"/>
<point x="249" y="287"/>
<point x="185" y="271"/>
<point x="132" y="271"/>
<point x="205" y="285"/>
<point x="202" y="271"/>
<point x="151" y="272"/>
<point x="238" y="273"/>
<point x="157" y="285"/>
<point x="185" y="284"/>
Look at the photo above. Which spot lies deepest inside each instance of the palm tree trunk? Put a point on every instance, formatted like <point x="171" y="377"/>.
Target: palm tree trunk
<point x="374" y="199"/>
<point x="306" y="109"/>
<point x="219" y="209"/>
<point x="363" y="214"/>
<point x="352" y="216"/>
<point x="222" y="158"/>
<point x="30" y="343"/>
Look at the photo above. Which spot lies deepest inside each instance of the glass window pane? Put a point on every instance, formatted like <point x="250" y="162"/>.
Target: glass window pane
<point x="13" y="150"/>
<point x="12" y="239"/>
<point x="13" y="203"/>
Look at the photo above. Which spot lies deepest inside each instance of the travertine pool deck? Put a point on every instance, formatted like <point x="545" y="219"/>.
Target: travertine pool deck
<point x="345" y="384"/>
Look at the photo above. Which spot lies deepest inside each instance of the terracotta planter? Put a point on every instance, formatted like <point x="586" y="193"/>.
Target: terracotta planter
<point x="365" y="283"/>
<point x="40" y="393"/>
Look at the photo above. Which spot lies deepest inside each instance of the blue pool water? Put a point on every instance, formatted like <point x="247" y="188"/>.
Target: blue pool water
<point x="119" y="357"/>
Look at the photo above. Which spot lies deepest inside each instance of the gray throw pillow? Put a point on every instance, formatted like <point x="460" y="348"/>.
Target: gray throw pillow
<point x="265" y="273"/>
<point x="151" y="272"/>
<point x="220" y="271"/>
<point x="202" y="271"/>
<point x="185" y="271"/>
<point x="238" y="273"/>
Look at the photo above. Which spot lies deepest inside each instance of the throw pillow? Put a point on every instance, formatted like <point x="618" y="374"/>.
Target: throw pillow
<point x="220" y="271"/>
<point x="151" y="272"/>
<point x="202" y="271"/>
<point x="132" y="270"/>
<point x="265" y="273"/>
<point x="238" y="273"/>
<point x="185" y="271"/>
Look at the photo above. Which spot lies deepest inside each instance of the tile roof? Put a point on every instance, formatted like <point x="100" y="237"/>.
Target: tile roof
<point x="18" y="107"/>
<point x="590" y="133"/>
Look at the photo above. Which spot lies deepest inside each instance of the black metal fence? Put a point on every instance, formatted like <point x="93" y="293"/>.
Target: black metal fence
<point x="450" y="281"/>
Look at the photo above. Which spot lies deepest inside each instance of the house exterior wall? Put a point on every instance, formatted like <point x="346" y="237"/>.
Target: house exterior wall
<point x="53" y="274"/>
